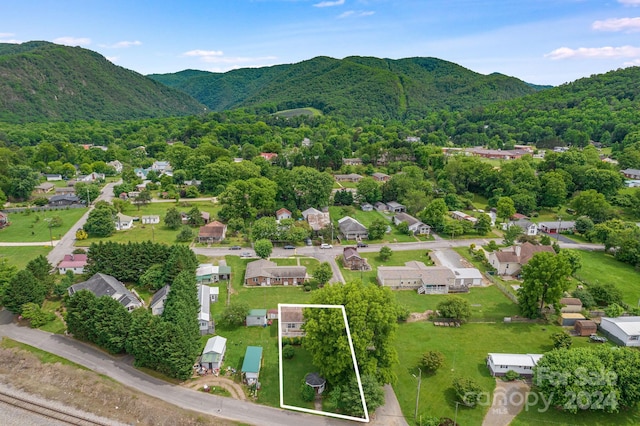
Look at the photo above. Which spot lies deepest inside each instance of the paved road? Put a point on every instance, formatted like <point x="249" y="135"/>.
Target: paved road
<point x="124" y="373"/>
<point x="66" y="244"/>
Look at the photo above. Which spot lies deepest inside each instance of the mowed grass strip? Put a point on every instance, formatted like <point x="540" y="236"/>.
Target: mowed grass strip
<point x="33" y="227"/>
<point x="465" y="350"/>
<point x="20" y="256"/>
<point x="598" y="267"/>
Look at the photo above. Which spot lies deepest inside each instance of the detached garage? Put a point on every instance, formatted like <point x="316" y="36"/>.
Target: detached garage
<point x="625" y="331"/>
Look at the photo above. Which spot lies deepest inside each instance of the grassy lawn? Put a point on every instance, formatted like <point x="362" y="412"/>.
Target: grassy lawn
<point x="488" y="304"/>
<point x="293" y="372"/>
<point x="33" y="227"/>
<point x="598" y="267"/>
<point x="285" y="261"/>
<point x="465" y="350"/>
<point x="237" y="341"/>
<point x="20" y="256"/>
<point x="158" y="233"/>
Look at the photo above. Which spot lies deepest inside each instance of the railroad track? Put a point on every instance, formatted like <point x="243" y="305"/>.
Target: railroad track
<point x="47" y="411"/>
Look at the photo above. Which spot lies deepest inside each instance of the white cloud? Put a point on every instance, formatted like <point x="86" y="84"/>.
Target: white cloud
<point x="5" y="35"/>
<point x="618" y="24"/>
<point x="329" y="3"/>
<point x="630" y="2"/>
<point x="113" y="59"/>
<point x="595" y="52"/>
<point x="73" y="41"/>
<point x="10" y="41"/>
<point x="355" y="14"/>
<point x="634" y="63"/>
<point x="124" y="44"/>
<point x="204" y="54"/>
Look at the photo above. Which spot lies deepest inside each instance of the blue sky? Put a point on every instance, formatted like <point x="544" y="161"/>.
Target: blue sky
<point x="538" y="41"/>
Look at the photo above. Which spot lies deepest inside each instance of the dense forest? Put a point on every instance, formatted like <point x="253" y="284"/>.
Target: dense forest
<point x="352" y="87"/>
<point x="43" y="81"/>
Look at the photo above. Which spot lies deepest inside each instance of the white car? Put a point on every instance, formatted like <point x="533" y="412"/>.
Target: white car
<point x="326" y="246"/>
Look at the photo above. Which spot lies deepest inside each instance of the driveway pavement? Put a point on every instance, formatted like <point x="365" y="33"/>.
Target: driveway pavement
<point x="448" y="257"/>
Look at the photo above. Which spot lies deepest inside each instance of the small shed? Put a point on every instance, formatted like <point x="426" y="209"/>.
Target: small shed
<point x="272" y="314"/>
<point x="251" y="364"/>
<point x="316" y="382"/>
<point x="257" y="318"/>
<point x="571" y="305"/>
<point x="214" y="294"/>
<point x="213" y="353"/>
<point x="569" y="319"/>
<point x="586" y="328"/>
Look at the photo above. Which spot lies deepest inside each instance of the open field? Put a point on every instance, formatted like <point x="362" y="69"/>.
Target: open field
<point x="598" y="267"/>
<point x="33" y="227"/>
<point x="465" y="350"/>
<point x="158" y="233"/>
<point x="20" y="256"/>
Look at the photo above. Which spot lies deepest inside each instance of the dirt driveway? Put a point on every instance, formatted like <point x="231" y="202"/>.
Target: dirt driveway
<point x="234" y="389"/>
<point x="508" y="400"/>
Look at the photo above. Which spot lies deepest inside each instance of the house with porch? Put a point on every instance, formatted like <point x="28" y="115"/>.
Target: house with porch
<point x="415" y="225"/>
<point x="73" y="262"/>
<point x="123" y="222"/>
<point x="351" y="229"/>
<point x="415" y="276"/>
<point x="351" y="177"/>
<point x="557" y="227"/>
<point x="207" y="273"/>
<point x="53" y="177"/>
<point x="251" y="365"/>
<point x="64" y="200"/>
<point x="213" y="353"/>
<point x="352" y="161"/>
<point x="65" y="190"/>
<point x="396" y="207"/>
<point x="380" y="177"/>
<point x="631" y="173"/>
<point x="352" y="260"/>
<point x="510" y="260"/>
<point x="212" y="232"/>
<point x="291" y="321"/>
<point x="264" y="272"/>
<point x="316" y="219"/>
<point x="106" y="285"/>
<point x="43" y="188"/>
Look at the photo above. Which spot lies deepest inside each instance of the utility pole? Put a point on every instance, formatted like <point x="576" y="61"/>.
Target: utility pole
<point x="88" y="197"/>
<point x="415" y="414"/>
<point x="455" y="418"/>
<point x="48" y="220"/>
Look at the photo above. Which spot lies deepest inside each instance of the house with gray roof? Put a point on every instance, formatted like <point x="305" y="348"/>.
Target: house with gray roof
<point x="291" y="321"/>
<point x="351" y="229"/>
<point x="317" y="219"/>
<point x="213" y="353"/>
<point x="416" y="275"/>
<point x="264" y="272"/>
<point x="158" y="300"/>
<point x="106" y="285"/>
<point x="396" y="207"/>
<point x="205" y="320"/>
<point x="510" y="260"/>
<point x="415" y="225"/>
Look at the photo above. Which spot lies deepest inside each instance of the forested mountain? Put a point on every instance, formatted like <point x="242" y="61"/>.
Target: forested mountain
<point x="354" y="87"/>
<point x="42" y="81"/>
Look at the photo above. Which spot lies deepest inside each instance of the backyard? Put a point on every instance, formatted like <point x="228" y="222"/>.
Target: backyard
<point x="32" y="226"/>
<point x="20" y="256"/>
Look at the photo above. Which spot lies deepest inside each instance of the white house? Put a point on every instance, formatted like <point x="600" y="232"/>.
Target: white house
<point x="123" y="222"/>
<point x="522" y="364"/>
<point x="467" y="277"/>
<point x="74" y="263"/>
<point x="158" y="300"/>
<point x="213" y="353"/>
<point x="283" y="214"/>
<point x="415" y="226"/>
<point x="204" y="316"/>
<point x="151" y="220"/>
<point x="625" y="331"/>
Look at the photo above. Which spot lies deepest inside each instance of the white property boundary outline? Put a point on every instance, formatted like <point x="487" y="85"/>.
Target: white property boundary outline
<point x="353" y="357"/>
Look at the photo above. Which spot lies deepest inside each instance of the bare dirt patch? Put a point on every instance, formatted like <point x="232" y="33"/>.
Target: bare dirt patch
<point x="236" y="390"/>
<point x="419" y="316"/>
<point x="88" y="391"/>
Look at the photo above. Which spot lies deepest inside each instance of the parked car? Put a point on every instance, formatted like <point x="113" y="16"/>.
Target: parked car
<point x="245" y="254"/>
<point x="309" y="242"/>
<point x="326" y="246"/>
<point x="289" y="247"/>
<point x="361" y="244"/>
<point x="235" y="248"/>
<point x="597" y="339"/>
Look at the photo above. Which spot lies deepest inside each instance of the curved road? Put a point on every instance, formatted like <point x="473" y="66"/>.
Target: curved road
<point x="124" y="373"/>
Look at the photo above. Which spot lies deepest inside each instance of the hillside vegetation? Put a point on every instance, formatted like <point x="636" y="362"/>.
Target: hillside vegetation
<point x="41" y="81"/>
<point x="353" y="87"/>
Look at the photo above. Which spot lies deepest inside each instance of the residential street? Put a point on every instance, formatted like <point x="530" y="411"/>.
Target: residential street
<point x="124" y="373"/>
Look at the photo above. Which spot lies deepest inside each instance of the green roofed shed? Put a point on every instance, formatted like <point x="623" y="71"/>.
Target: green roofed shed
<point x="251" y="364"/>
